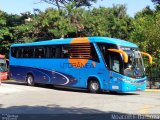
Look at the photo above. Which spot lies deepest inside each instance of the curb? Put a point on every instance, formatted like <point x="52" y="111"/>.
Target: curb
<point x="152" y="90"/>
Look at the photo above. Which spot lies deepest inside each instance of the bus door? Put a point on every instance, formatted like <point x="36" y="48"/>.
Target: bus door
<point x="116" y="68"/>
<point x="112" y="62"/>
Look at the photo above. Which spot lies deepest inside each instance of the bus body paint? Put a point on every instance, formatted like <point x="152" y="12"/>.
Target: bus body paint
<point x="74" y="72"/>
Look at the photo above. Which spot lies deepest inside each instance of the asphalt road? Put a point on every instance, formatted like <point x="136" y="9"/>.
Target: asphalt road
<point x="22" y="99"/>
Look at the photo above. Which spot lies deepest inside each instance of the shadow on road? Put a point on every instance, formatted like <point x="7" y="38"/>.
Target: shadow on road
<point x="55" y="112"/>
<point x="67" y="89"/>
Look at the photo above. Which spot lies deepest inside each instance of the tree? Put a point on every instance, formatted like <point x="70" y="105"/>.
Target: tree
<point x="5" y="34"/>
<point x="146" y="11"/>
<point x="146" y="33"/>
<point x="157" y="2"/>
<point x="119" y="23"/>
<point x="63" y="3"/>
<point x="69" y="5"/>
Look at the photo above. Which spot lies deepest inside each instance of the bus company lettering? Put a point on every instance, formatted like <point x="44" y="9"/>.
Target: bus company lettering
<point x="78" y="65"/>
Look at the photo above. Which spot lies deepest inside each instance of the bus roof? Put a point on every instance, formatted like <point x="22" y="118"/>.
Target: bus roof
<point x="91" y="39"/>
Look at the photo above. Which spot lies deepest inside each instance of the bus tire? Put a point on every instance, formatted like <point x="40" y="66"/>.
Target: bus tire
<point x="30" y="80"/>
<point x="94" y="86"/>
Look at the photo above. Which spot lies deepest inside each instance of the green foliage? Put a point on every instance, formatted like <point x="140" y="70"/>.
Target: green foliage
<point x="4" y="34"/>
<point x="146" y="33"/>
<point x="111" y="22"/>
<point x="69" y="5"/>
<point x="72" y="21"/>
<point x="63" y="3"/>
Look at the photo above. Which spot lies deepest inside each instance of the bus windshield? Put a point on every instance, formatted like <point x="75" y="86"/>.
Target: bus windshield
<point x="135" y="67"/>
<point x="3" y="65"/>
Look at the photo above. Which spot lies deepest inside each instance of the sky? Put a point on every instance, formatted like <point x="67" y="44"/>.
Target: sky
<point x="21" y="6"/>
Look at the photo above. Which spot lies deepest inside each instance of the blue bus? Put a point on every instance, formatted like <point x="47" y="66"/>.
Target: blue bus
<point x="94" y="63"/>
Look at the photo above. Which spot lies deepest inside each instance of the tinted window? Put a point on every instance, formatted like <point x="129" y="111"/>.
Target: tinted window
<point x="58" y="51"/>
<point x="80" y="51"/>
<point x="52" y="52"/>
<point x="112" y="59"/>
<point x="19" y="52"/>
<point x="13" y="51"/>
<point x="84" y="51"/>
<point x="93" y="55"/>
<point x="40" y="52"/>
<point x="64" y="51"/>
<point x="104" y="50"/>
<point x="28" y="52"/>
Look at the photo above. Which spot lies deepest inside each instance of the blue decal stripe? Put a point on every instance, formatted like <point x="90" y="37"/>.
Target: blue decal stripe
<point x="61" y="78"/>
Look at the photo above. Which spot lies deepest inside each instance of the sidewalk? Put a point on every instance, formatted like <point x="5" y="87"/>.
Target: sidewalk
<point x="152" y="90"/>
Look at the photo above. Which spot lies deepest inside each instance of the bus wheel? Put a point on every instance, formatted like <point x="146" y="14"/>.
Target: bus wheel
<point x="94" y="86"/>
<point x="30" y="80"/>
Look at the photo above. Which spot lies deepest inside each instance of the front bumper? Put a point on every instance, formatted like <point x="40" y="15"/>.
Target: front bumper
<point x="129" y="85"/>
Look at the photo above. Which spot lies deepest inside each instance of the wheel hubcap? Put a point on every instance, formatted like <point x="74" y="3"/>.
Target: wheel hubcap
<point x="29" y="80"/>
<point x="94" y="86"/>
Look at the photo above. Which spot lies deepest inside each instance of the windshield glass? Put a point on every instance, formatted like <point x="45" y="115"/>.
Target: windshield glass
<point x="3" y="65"/>
<point x="114" y="61"/>
<point x="134" y="68"/>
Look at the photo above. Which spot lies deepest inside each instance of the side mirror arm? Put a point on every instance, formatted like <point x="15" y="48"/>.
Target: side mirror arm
<point x="125" y="56"/>
<point x="149" y="56"/>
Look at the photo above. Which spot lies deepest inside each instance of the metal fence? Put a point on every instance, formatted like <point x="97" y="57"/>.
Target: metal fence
<point x="154" y="77"/>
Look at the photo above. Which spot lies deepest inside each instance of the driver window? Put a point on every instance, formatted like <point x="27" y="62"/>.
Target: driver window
<point x="115" y="62"/>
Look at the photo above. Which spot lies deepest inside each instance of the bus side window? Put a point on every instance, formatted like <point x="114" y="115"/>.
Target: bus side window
<point x="25" y="53"/>
<point x="20" y="52"/>
<point x="55" y="51"/>
<point x="14" y="52"/>
<point x="93" y="54"/>
<point x="104" y="50"/>
<point x="79" y="51"/>
<point x="40" y="52"/>
<point x="58" y="51"/>
<point x="28" y="52"/>
<point x="64" y="52"/>
<point x="52" y="52"/>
